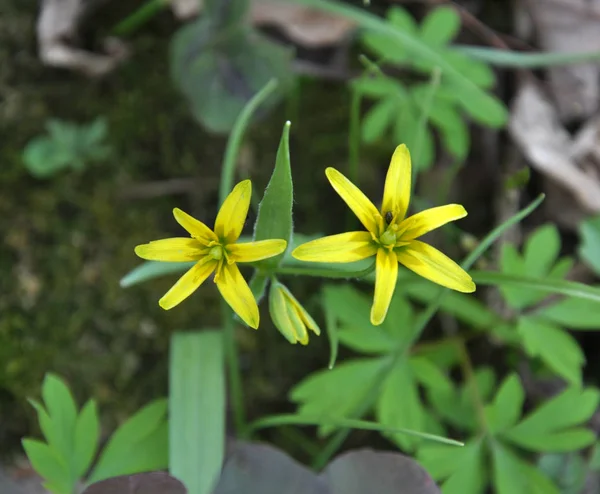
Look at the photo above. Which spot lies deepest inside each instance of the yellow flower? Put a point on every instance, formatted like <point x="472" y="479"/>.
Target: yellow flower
<point x="215" y="251"/>
<point x="290" y="318"/>
<point x="390" y="237"/>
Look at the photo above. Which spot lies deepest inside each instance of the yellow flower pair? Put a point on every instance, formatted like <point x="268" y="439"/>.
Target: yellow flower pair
<point x="390" y="238"/>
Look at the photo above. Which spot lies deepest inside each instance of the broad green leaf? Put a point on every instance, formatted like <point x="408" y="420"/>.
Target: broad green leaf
<point x="429" y="375"/>
<point x="554" y="346"/>
<point x="505" y="410"/>
<point x="378" y="87"/>
<point x="274" y="220"/>
<point x="571" y="408"/>
<point x="219" y="72"/>
<point x="589" y="249"/>
<point x="43" y="157"/>
<point x="338" y="392"/>
<point x="386" y="46"/>
<point x="477" y="72"/>
<point x="197" y="409"/>
<point x="419" y="141"/>
<point x="62" y="410"/>
<point x="573" y="313"/>
<point x="153" y="269"/>
<point x="451" y="406"/>
<point x="512" y="475"/>
<point x="399" y="405"/>
<point x="378" y="119"/>
<point x="87" y="435"/>
<point x="140" y="444"/>
<point x="452" y="127"/>
<point x="49" y="465"/>
<point x="512" y="263"/>
<point x="399" y="323"/>
<point x="492" y="114"/>
<point x="440" y="26"/>
<point x="49" y="429"/>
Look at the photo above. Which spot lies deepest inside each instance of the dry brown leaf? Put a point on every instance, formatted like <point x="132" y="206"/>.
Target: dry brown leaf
<point x="57" y="28"/>
<point x="535" y="127"/>
<point x="308" y="27"/>
<point x="570" y="26"/>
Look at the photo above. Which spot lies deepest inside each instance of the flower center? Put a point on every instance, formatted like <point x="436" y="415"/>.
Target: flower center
<point x="216" y="252"/>
<point x="389" y="237"/>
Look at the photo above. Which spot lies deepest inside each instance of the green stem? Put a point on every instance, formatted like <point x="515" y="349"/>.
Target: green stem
<point x="324" y="273"/>
<point x="235" y="138"/>
<point x="367" y="403"/>
<point x="139" y="17"/>
<point x="233" y="370"/>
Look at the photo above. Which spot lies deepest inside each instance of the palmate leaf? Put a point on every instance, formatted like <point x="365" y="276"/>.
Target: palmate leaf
<point x="589" y="249"/>
<point x="555" y="425"/>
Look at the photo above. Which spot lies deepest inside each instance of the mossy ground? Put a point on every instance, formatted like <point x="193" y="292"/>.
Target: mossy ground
<point x="69" y="239"/>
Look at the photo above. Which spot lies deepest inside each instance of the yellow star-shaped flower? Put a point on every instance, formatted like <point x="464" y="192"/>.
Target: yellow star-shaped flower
<point x="390" y="237"/>
<point x="215" y="251"/>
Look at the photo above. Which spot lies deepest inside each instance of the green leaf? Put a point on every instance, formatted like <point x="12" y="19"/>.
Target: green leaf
<point x="513" y="475"/>
<point x="454" y="132"/>
<point x="378" y="87"/>
<point x="140" y="444"/>
<point x="519" y="179"/>
<point x="399" y="405"/>
<point x="43" y="157"/>
<point x="225" y="15"/>
<point x="560" y="287"/>
<point x="274" y="220"/>
<point x="464" y="307"/>
<point x="573" y="313"/>
<point x="546" y="425"/>
<point x="505" y="411"/>
<point x="421" y="144"/>
<point x="589" y="249"/>
<point x="49" y="465"/>
<point x="554" y="346"/>
<point x="197" y="409"/>
<point x="478" y="73"/>
<point x="63" y="414"/>
<point x="378" y="119"/>
<point x="507" y="58"/>
<point x="567" y="470"/>
<point x="463" y="467"/>
<point x="219" y="72"/>
<point x="541" y="250"/>
<point x="338" y="392"/>
<point x="87" y="435"/>
<point x="429" y="375"/>
<point x="440" y="26"/>
<point x="258" y="285"/>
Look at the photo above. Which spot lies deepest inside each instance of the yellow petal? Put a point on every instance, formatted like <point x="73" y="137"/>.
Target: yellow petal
<point x="171" y="250"/>
<point x="396" y="194"/>
<point x="386" y="274"/>
<point x="362" y="207"/>
<point x="255" y="251"/>
<point x="194" y="227"/>
<point x="188" y="283"/>
<point x="237" y="294"/>
<point x="233" y="212"/>
<point x="430" y="263"/>
<point x="344" y="247"/>
<point x="430" y="219"/>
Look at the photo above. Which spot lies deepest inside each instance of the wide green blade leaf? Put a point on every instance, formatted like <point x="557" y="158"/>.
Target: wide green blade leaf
<point x="139" y="445"/>
<point x="440" y="26"/>
<point x="505" y="411"/>
<point x="87" y="435"/>
<point x="589" y="249"/>
<point x="197" y="409"/>
<point x="274" y="220"/>
<point x="572" y="313"/>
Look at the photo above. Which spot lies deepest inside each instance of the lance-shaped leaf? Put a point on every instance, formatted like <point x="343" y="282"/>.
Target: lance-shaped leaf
<point x="275" y="211"/>
<point x="197" y="409"/>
